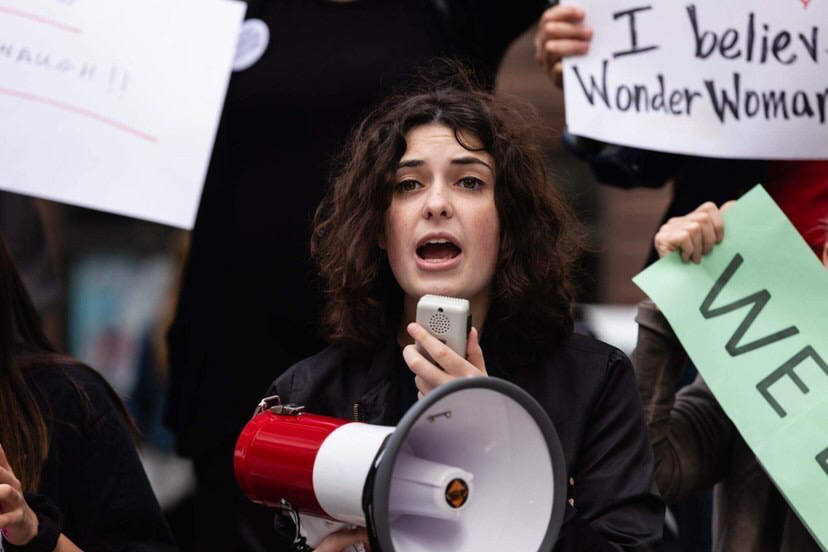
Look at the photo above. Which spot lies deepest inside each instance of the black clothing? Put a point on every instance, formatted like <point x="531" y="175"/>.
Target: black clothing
<point x="93" y="473"/>
<point x="586" y="387"/>
<point x="695" y="179"/>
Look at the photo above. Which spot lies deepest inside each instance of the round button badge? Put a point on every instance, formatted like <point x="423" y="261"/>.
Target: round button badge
<point x="253" y="40"/>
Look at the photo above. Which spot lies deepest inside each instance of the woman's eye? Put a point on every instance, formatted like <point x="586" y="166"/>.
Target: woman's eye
<point x="471" y="183"/>
<point x="408" y="185"/>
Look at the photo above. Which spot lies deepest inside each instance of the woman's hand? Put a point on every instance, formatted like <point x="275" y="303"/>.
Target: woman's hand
<point x="17" y="521"/>
<point x="340" y="540"/>
<point x="560" y="33"/>
<point x="452" y="366"/>
<point x="694" y="234"/>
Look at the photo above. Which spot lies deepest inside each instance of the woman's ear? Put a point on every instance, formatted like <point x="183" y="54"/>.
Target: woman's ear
<point x="825" y="254"/>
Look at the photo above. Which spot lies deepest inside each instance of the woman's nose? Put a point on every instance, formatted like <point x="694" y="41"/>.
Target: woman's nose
<point x="437" y="203"/>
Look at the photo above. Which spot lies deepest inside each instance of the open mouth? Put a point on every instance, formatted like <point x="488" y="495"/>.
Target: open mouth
<point x="436" y="250"/>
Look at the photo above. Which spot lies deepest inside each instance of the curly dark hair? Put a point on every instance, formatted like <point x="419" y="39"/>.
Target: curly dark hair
<point x="540" y="239"/>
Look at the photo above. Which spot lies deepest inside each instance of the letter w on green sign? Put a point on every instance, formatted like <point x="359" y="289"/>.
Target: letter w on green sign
<point x="753" y="316"/>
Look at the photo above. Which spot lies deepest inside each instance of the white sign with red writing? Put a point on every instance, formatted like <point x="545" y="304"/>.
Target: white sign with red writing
<point x="720" y="78"/>
<point x="114" y="104"/>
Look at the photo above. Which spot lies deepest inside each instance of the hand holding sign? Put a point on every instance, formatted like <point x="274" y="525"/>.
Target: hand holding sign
<point x="560" y="33"/>
<point x="693" y="234"/>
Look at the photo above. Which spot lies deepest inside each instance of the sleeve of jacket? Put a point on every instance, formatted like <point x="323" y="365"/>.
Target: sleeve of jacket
<point x="613" y="486"/>
<point x="283" y="385"/>
<point x="689" y="432"/>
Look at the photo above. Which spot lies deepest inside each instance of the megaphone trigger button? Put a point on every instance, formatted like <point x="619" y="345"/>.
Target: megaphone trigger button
<point x="267" y="403"/>
<point x="287" y="409"/>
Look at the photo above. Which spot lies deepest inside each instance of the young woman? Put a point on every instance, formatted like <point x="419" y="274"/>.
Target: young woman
<point x="443" y="191"/>
<point x="70" y="478"/>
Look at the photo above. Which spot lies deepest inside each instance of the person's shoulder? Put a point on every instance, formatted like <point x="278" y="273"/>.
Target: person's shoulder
<point x="316" y="368"/>
<point x="70" y="386"/>
<point x="62" y="376"/>
<point x="585" y="357"/>
<point x="591" y="350"/>
<point x="329" y="357"/>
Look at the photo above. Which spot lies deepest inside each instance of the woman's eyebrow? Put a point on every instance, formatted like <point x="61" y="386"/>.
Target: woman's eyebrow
<point x="410" y="163"/>
<point x="470" y="160"/>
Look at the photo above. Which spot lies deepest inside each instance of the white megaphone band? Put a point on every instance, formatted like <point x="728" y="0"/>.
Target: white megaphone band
<point x="476" y="465"/>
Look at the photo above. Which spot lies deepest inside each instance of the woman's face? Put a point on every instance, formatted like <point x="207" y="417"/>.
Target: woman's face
<point x="442" y="232"/>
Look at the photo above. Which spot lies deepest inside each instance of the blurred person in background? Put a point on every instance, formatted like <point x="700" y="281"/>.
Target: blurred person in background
<point x="22" y="226"/>
<point x="696" y="445"/>
<point x="70" y="477"/>
<point x="307" y="70"/>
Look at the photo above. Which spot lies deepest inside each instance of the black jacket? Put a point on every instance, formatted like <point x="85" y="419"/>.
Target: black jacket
<point x="589" y="392"/>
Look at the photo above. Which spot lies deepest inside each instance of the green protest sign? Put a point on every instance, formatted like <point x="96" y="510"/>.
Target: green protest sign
<point x="753" y="316"/>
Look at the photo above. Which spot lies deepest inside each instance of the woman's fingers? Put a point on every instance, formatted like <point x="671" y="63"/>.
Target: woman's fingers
<point x="671" y="237"/>
<point x="450" y="362"/>
<point x="430" y="376"/>
<point x="560" y="33"/>
<point x="571" y="14"/>
<point x="423" y="387"/>
<point x="554" y="51"/>
<point x="4" y="462"/>
<point x="728" y="204"/>
<point x="694" y="234"/>
<point x="6" y="473"/>
<point x="338" y="541"/>
<point x="17" y="520"/>
<point x="447" y="364"/>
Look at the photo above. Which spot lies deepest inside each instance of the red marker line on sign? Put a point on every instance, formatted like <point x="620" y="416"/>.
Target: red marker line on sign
<point x="41" y="19"/>
<point x="80" y="111"/>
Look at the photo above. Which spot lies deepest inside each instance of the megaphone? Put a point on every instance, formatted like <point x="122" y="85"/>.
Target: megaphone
<point x="476" y="465"/>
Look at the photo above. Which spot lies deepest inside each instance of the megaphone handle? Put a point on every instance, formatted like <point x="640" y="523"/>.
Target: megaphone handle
<point x="300" y="543"/>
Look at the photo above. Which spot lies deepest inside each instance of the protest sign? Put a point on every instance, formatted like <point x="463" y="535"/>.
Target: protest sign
<point x="719" y="78"/>
<point x="752" y="316"/>
<point x="114" y="104"/>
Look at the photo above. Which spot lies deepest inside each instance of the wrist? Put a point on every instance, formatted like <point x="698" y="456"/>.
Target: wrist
<point x="31" y="524"/>
<point x="44" y="520"/>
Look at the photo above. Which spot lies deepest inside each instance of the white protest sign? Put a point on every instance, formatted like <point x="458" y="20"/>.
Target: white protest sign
<point x="114" y="104"/>
<point x="719" y="78"/>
